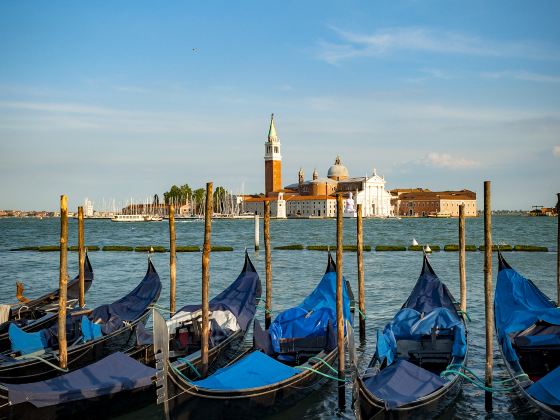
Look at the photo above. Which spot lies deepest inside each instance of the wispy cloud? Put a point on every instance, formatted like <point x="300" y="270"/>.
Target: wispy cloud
<point x="523" y="75"/>
<point x="445" y="160"/>
<point x="556" y="151"/>
<point x="389" y="40"/>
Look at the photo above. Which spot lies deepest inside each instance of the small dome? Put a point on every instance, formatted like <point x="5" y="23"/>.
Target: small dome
<point x="338" y="171"/>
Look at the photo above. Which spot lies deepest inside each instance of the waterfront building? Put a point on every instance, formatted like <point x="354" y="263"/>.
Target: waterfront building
<point x="315" y="197"/>
<point x="426" y="203"/>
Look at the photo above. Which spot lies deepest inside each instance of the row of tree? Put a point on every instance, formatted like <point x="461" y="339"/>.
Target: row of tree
<point x="184" y="194"/>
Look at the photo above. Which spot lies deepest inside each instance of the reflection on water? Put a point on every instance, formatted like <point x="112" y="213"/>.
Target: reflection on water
<point x="389" y="277"/>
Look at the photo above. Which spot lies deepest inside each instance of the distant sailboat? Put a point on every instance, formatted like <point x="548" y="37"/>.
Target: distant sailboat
<point x="427" y="249"/>
<point x="414" y="242"/>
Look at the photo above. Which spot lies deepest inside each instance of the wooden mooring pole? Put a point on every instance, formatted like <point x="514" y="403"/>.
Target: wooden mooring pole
<point x="489" y="310"/>
<point x="268" y="267"/>
<point x="339" y="311"/>
<point x="206" y="280"/>
<point x="172" y="260"/>
<point x="361" y="290"/>
<point x="558" y="252"/>
<point x="81" y="257"/>
<point x="256" y="232"/>
<point x="62" y="283"/>
<point x="462" y="260"/>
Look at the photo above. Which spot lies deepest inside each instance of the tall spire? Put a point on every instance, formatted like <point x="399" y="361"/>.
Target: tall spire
<point x="272" y="137"/>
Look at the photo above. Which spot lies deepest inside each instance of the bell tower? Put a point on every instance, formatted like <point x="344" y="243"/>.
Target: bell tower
<point x="272" y="161"/>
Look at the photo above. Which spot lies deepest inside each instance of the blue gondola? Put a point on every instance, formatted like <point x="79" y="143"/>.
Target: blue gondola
<point x="528" y="330"/>
<point x="424" y="339"/>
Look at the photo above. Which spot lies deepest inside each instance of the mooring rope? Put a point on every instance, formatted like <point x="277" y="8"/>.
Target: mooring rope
<point x="47" y="362"/>
<point x="324" y="362"/>
<point x="360" y="312"/>
<point x="465" y="313"/>
<point x="478" y="382"/>
<point x="326" y="375"/>
<point x="189" y="364"/>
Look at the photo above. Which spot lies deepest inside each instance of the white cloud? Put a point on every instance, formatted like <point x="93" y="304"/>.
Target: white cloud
<point x="425" y="40"/>
<point x="445" y="160"/>
<point x="556" y="151"/>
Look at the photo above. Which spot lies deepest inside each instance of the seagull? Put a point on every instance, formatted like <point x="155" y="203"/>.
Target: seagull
<point x="414" y="242"/>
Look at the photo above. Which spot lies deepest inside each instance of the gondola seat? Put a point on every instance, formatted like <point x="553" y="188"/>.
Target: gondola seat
<point x="25" y="343"/>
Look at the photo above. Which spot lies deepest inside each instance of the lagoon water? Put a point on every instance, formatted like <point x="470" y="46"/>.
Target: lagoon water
<point x="389" y="277"/>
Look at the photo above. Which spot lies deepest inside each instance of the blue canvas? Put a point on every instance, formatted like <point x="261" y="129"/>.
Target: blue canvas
<point x="24" y="342"/>
<point x="252" y="371"/>
<point x="311" y="317"/>
<point x="547" y="389"/>
<point x="402" y="383"/>
<point x="115" y="373"/>
<point x="90" y="331"/>
<point x="518" y="304"/>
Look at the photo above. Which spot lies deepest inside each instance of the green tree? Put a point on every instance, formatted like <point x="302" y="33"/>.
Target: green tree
<point x="218" y="198"/>
<point x="198" y="198"/>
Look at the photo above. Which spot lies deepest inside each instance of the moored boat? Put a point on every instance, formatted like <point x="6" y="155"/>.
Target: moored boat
<point x="286" y="362"/>
<point x="41" y="312"/>
<point x="91" y="335"/>
<point x="425" y="339"/>
<point x="528" y="331"/>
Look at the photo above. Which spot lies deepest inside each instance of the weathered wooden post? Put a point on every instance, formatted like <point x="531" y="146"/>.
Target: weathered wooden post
<point x="339" y="311"/>
<point x="462" y="260"/>
<point x="62" y="283"/>
<point x="256" y="232"/>
<point x="558" y="252"/>
<point x="172" y="260"/>
<point x="81" y="257"/>
<point x="205" y="280"/>
<point x="488" y="294"/>
<point x="361" y="290"/>
<point x="268" y="267"/>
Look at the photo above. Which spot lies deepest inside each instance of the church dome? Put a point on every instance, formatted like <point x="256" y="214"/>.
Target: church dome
<point x="338" y="171"/>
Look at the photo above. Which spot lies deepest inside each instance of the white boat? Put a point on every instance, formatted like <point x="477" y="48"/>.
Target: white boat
<point x="136" y="218"/>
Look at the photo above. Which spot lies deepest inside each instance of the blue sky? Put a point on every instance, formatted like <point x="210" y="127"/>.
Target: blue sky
<point x="123" y="99"/>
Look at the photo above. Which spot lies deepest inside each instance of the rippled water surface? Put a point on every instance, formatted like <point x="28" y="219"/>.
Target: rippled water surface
<point x="389" y="276"/>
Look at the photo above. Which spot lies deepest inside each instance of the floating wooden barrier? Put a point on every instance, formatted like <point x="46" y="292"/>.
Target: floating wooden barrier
<point x="221" y="248"/>
<point x="502" y="248"/>
<point x="117" y="248"/>
<point x="455" y="248"/>
<point x="434" y="248"/>
<point x="26" y="248"/>
<point x="50" y="248"/>
<point x="150" y="248"/>
<point x="529" y="248"/>
<point x="88" y="247"/>
<point x="292" y="247"/>
<point x="350" y="248"/>
<point x="380" y="248"/>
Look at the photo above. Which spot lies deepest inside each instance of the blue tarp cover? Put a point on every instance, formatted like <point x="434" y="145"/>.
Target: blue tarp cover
<point x="252" y="371"/>
<point x="518" y="304"/>
<point x="115" y="373"/>
<point x="402" y="383"/>
<point x="408" y="324"/>
<point x="25" y="342"/>
<point x="547" y="389"/>
<point x="311" y="317"/>
<point x="131" y="306"/>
